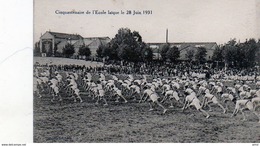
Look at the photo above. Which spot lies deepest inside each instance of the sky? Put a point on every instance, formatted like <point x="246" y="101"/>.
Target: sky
<point x="186" y="20"/>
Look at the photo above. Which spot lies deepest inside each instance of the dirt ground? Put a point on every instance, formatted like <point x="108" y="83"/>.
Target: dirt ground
<point x="132" y="122"/>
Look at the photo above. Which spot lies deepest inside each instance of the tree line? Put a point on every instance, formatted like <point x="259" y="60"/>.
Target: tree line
<point x="238" y="55"/>
<point x="128" y="45"/>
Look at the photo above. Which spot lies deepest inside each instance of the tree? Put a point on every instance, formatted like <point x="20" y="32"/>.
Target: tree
<point x="190" y="54"/>
<point x="105" y="51"/>
<point x="37" y="51"/>
<point x="238" y="55"/>
<point x="173" y="54"/>
<point x="164" y="51"/>
<point x="201" y="54"/>
<point x="84" y="51"/>
<point x="218" y="55"/>
<point x="68" y="50"/>
<point x="249" y="48"/>
<point x="100" y="51"/>
<point x="147" y="54"/>
<point x="126" y="45"/>
<point x="137" y="36"/>
<point x="258" y="53"/>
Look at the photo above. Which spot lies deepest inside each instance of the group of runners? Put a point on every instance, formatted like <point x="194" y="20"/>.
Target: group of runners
<point x="188" y="90"/>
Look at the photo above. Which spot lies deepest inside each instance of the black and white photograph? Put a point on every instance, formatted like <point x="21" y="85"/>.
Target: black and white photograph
<point x="142" y="71"/>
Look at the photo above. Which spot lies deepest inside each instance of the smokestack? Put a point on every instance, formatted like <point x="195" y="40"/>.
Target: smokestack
<point x="167" y="35"/>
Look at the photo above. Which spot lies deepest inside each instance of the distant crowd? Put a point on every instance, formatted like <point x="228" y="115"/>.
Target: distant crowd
<point x="160" y="69"/>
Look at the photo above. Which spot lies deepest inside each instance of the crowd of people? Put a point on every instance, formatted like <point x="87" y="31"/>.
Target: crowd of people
<point x="158" y="84"/>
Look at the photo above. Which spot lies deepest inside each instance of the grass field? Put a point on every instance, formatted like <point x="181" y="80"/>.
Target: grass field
<point x="132" y="122"/>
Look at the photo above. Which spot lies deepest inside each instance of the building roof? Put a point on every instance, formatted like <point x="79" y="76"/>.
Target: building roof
<point x="66" y="36"/>
<point x="95" y="42"/>
<point x="184" y="45"/>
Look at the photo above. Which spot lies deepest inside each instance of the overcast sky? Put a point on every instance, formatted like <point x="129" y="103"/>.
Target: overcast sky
<point x="186" y="20"/>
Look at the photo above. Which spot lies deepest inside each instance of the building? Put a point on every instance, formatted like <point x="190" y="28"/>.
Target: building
<point x="51" y="41"/>
<point x="184" y="48"/>
<point x="93" y="43"/>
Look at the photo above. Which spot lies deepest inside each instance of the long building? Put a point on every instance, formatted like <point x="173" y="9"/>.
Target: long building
<point x="184" y="48"/>
<point x="50" y="41"/>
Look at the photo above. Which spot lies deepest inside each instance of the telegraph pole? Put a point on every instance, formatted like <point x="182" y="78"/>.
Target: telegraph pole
<point x="167" y="36"/>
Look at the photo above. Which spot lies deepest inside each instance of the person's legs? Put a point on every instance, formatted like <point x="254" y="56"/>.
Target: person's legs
<point x="221" y="106"/>
<point x="226" y="103"/>
<point x="257" y="114"/>
<point x="164" y="98"/>
<point x="60" y="98"/>
<point x="235" y="112"/>
<point x="251" y="107"/>
<point x="151" y="106"/>
<point x="117" y="98"/>
<point x="244" y="117"/>
<point x="164" y="109"/>
<point x="104" y="101"/>
<point x="205" y="113"/>
<point x="134" y="96"/>
<point x="78" y="96"/>
<point x="53" y="94"/>
<point x="75" y="99"/>
<point x="171" y="101"/>
<point x="256" y="102"/>
<point x="98" y="98"/>
<point x="123" y="98"/>
<point x="207" y="104"/>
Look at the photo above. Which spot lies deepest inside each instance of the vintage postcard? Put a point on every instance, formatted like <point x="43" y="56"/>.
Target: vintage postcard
<point x="142" y="71"/>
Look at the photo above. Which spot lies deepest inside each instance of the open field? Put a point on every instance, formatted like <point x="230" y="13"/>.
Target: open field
<point x="132" y="122"/>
